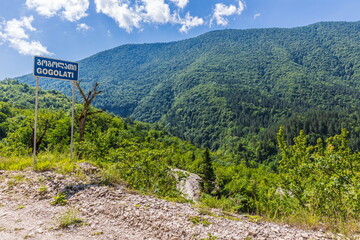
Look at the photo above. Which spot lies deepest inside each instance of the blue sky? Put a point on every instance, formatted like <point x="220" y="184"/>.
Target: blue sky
<point x="75" y="29"/>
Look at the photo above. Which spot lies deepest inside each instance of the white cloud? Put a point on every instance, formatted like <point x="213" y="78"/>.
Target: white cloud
<point x="15" y="33"/>
<point x="221" y="11"/>
<point x="82" y="27"/>
<point x="71" y="10"/>
<point x="2" y="37"/>
<point x="256" y="15"/>
<point x="180" y="3"/>
<point x="129" y="16"/>
<point x="29" y="47"/>
<point x="241" y="7"/>
<point x="125" y="16"/>
<point x="156" y="11"/>
<point x="189" y="22"/>
<point x="16" y="28"/>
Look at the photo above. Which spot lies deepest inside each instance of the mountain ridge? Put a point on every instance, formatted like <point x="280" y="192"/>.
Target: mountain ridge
<point x="224" y="85"/>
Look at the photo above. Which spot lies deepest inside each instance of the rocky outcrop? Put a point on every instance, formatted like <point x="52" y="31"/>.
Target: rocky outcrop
<point x="188" y="184"/>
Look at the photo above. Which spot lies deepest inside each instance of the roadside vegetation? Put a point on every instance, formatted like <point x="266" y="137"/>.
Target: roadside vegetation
<point x="313" y="185"/>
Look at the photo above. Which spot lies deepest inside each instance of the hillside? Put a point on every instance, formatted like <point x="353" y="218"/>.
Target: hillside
<point x="223" y="87"/>
<point x="23" y="96"/>
<point x="108" y="140"/>
<point x="311" y="186"/>
<point x="104" y="212"/>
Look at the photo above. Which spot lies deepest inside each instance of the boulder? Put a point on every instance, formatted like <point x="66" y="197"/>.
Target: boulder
<point x="189" y="184"/>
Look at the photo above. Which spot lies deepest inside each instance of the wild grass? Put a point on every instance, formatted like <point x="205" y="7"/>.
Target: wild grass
<point x="45" y="161"/>
<point x="196" y="220"/>
<point x="68" y="218"/>
<point x="298" y="217"/>
<point x="222" y="203"/>
<point x="305" y="220"/>
<point x="15" y="163"/>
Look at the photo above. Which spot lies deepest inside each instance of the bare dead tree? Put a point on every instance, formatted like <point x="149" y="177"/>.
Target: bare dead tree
<point x="40" y="139"/>
<point x="81" y="119"/>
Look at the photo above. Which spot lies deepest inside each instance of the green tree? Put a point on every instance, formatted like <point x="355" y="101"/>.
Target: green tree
<point x="207" y="172"/>
<point x="323" y="178"/>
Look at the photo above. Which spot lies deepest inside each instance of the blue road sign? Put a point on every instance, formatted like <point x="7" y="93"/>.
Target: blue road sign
<point x="54" y="68"/>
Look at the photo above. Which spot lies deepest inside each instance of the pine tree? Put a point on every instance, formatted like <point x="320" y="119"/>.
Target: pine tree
<point x="208" y="172"/>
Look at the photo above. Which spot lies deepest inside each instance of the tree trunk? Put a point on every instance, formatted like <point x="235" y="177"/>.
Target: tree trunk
<point x="81" y="120"/>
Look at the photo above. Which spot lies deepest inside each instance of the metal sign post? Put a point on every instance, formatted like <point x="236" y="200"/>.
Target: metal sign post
<point x="35" y="120"/>
<point x="72" y="121"/>
<point x="55" y="69"/>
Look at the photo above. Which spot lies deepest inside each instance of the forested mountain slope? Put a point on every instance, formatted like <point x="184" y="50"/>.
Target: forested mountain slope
<point x="312" y="185"/>
<point x="123" y="144"/>
<point x="223" y="87"/>
<point x="23" y="96"/>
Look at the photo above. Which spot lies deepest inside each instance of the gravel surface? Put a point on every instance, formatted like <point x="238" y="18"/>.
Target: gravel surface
<point x="117" y="213"/>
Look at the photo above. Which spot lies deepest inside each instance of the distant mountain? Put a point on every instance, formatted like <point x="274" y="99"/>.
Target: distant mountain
<point x="224" y="87"/>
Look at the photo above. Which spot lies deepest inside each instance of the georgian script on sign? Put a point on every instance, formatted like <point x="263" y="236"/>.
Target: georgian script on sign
<point x="54" y="68"/>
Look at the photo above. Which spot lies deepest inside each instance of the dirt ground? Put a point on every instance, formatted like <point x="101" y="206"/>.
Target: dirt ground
<point x="105" y="212"/>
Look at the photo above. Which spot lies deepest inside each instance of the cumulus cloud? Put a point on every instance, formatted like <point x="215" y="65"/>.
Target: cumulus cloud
<point x="180" y="3"/>
<point x="15" y="33"/>
<point x="189" y="22"/>
<point x="156" y="11"/>
<point x="125" y="16"/>
<point x="82" y="27"/>
<point x="221" y="11"/>
<point x="130" y="15"/>
<point x="31" y="48"/>
<point x="71" y="10"/>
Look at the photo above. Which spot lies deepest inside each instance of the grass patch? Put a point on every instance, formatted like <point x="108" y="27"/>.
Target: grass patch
<point x="15" y="163"/>
<point x="305" y="220"/>
<point x="19" y="177"/>
<point x="229" y="216"/>
<point x="204" y="211"/>
<point x="11" y="183"/>
<point x="69" y="218"/>
<point x="254" y="218"/>
<point x="110" y="175"/>
<point x="46" y="161"/>
<point x="225" y="215"/>
<point x="42" y="189"/>
<point x="60" y="163"/>
<point x="222" y="203"/>
<point x="176" y="199"/>
<point x="196" y="220"/>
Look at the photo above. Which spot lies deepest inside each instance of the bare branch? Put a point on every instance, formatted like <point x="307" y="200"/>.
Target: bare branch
<point x="80" y="90"/>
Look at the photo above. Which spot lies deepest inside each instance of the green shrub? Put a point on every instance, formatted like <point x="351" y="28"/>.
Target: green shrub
<point x="59" y="199"/>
